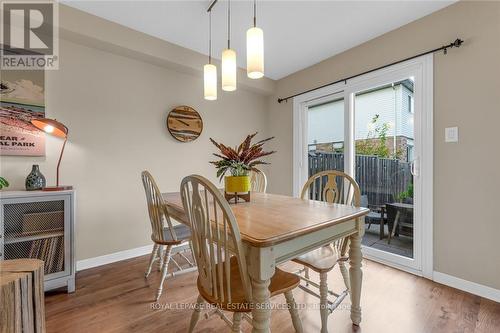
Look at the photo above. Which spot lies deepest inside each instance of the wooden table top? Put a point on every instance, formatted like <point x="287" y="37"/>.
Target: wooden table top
<point x="400" y="205"/>
<point x="270" y="218"/>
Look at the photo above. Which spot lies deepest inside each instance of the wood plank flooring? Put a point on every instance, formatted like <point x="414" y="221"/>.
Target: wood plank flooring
<point x="117" y="298"/>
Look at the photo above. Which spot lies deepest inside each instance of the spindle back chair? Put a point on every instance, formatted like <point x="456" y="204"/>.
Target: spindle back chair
<point x="223" y="279"/>
<point x="163" y="233"/>
<point x="258" y="181"/>
<point x="336" y="187"/>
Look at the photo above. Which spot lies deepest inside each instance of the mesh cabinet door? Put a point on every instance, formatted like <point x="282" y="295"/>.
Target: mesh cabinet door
<point x="38" y="227"/>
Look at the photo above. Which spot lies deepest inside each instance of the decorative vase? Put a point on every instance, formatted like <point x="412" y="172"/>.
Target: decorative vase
<point x="237" y="184"/>
<point x="237" y="187"/>
<point x="35" y="180"/>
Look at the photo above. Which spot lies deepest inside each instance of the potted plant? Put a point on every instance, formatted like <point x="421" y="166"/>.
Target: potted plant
<point x="3" y="183"/>
<point x="406" y="196"/>
<point x="239" y="162"/>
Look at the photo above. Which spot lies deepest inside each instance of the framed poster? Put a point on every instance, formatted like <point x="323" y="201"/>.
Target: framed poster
<point x="22" y="98"/>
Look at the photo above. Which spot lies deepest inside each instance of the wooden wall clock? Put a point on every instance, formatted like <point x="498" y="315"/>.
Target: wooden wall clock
<point x="184" y="123"/>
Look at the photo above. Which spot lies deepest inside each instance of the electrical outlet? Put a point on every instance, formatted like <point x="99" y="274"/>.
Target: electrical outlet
<point x="451" y="134"/>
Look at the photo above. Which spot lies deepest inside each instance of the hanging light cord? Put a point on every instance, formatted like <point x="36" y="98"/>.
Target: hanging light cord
<point x="210" y="37"/>
<point x="254" y="13"/>
<point x="228" y="24"/>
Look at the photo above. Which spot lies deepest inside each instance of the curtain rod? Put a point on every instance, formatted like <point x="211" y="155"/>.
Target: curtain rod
<point x="209" y="9"/>
<point x="443" y="48"/>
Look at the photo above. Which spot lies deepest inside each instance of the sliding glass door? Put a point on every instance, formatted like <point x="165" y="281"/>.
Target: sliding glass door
<point x="375" y="128"/>
<point x="384" y="148"/>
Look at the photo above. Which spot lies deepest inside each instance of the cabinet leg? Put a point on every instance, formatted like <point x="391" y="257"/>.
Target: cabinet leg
<point x="71" y="285"/>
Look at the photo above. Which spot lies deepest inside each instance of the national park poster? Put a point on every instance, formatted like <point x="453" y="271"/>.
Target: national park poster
<point x="21" y="99"/>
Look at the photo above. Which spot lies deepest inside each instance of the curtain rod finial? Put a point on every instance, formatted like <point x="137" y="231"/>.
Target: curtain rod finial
<point x="458" y="42"/>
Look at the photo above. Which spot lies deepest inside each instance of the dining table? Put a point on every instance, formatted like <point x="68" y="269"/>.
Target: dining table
<point x="277" y="228"/>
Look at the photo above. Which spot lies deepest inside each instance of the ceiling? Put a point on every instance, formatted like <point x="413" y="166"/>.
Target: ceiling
<point x="297" y="34"/>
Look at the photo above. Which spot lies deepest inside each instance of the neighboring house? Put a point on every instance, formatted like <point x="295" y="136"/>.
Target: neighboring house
<point x="394" y="105"/>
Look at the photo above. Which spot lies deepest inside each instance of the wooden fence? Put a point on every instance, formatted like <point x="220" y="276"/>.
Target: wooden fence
<point x="380" y="179"/>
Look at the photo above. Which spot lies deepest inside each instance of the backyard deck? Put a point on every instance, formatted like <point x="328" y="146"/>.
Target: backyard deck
<point x="401" y="245"/>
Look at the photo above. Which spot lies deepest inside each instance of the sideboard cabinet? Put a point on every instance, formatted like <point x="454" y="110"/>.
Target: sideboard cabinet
<point x="40" y="225"/>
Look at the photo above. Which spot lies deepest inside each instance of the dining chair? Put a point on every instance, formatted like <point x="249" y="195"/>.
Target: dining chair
<point x="334" y="187"/>
<point x="223" y="280"/>
<point x="164" y="237"/>
<point x="258" y="181"/>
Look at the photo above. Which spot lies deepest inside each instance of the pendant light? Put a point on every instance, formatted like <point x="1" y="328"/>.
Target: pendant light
<point x="210" y="70"/>
<point x="255" y="49"/>
<point x="228" y="58"/>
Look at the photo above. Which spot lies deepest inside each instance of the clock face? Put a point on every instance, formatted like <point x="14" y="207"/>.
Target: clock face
<point x="184" y="123"/>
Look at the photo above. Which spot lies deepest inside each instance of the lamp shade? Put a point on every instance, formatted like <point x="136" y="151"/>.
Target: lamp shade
<point x="255" y="53"/>
<point x="228" y="70"/>
<point x="210" y="82"/>
<point x="51" y="126"/>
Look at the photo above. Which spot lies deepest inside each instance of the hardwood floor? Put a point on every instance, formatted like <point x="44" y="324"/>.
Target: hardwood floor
<point x="117" y="298"/>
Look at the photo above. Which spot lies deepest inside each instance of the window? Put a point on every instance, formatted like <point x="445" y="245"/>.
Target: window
<point x="410" y="104"/>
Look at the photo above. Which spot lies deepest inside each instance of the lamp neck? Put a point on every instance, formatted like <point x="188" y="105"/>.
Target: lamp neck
<point x="59" y="162"/>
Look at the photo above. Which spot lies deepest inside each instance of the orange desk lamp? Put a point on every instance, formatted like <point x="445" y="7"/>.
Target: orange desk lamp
<point x="57" y="129"/>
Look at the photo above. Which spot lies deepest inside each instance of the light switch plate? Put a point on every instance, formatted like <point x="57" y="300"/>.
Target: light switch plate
<point x="451" y="134"/>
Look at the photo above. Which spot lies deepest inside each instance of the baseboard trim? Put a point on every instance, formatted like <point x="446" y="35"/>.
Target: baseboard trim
<point x="468" y="286"/>
<point x="113" y="257"/>
<point x="121" y="255"/>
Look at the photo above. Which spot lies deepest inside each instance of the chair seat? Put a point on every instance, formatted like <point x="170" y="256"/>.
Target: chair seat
<point x="182" y="231"/>
<point x="375" y="215"/>
<point x="281" y="282"/>
<point x="320" y="260"/>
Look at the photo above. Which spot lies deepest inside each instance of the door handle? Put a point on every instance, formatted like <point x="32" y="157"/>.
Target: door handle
<point x="414" y="167"/>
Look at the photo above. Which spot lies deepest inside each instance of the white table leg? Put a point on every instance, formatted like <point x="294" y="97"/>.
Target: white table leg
<point x="356" y="277"/>
<point x="261" y="313"/>
<point x="261" y="267"/>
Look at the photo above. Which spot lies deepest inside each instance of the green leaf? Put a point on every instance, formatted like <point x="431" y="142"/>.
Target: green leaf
<point x="3" y="182"/>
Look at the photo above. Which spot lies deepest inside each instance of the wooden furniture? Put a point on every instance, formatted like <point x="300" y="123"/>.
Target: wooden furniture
<point x="222" y="270"/>
<point x="333" y="187"/>
<point x="235" y="197"/>
<point x="21" y="296"/>
<point x="40" y="225"/>
<point x="258" y="181"/>
<point x="164" y="237"/>
<point x="277" y="228"/>
<point x="400" y="217"/>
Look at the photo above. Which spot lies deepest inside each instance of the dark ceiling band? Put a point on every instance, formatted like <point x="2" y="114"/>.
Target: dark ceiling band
<point x="443" y="48"/>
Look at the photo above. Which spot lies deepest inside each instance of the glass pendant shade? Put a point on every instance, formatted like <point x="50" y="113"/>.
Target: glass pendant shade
<point x="210" y="81"/>
<point x="255" y="53"/>
<point x="228" y="70"/>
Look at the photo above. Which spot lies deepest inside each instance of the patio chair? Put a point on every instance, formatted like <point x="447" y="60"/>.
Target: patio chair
<point x="376" y="215"/>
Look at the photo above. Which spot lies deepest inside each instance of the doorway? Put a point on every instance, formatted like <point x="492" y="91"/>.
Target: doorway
<point x="377" y="128"/>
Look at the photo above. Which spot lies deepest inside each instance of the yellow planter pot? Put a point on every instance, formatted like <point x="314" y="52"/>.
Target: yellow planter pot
<point x="237" y="184"/>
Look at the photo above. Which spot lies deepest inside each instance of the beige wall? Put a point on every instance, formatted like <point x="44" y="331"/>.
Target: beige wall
<point x="116" y="108"/>
<point x="466" y="94"/>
